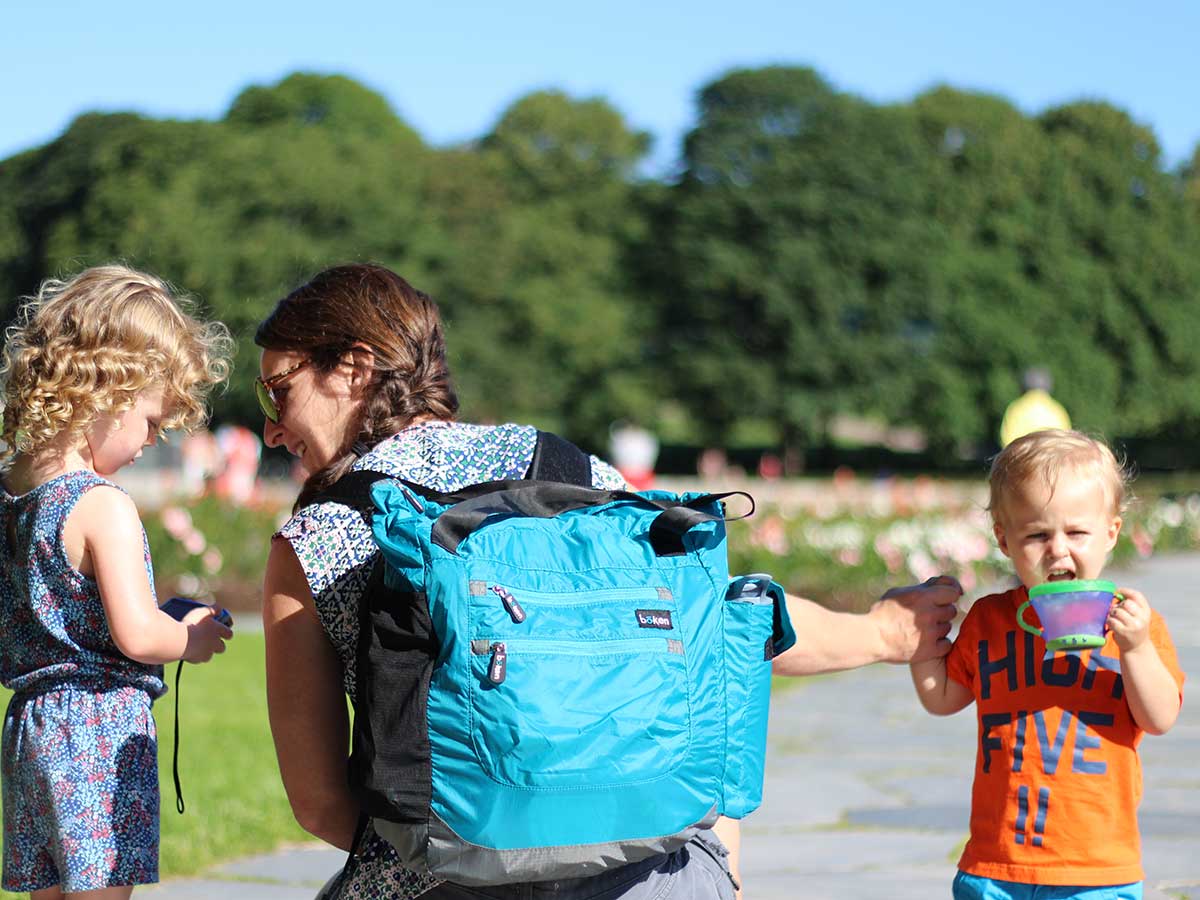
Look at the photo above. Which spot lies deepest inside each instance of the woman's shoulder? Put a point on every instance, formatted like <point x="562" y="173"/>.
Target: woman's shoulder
<point x="467" y="439"/>
<point x="450" y="455"/>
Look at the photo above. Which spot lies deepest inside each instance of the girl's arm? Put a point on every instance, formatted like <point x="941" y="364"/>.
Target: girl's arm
<point x="905" y="624"/>
<point x="305" y="703"/>
<point x="1150" y="689"/>
<point x="938" y="692"/>
<point x="105" y="534"/>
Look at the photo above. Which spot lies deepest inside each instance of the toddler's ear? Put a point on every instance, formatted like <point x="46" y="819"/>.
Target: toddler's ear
<point x="1114" y="529"/>
<point x="1001" y="540"/>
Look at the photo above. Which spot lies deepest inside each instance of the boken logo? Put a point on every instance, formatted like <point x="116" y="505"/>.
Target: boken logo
<point x="654" y="618"/>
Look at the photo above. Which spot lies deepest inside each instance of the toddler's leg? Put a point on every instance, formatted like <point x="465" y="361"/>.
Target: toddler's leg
<point x="108" y="893"/>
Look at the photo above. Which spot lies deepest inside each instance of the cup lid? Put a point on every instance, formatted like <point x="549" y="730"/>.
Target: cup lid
<point x="1072" y="587"/>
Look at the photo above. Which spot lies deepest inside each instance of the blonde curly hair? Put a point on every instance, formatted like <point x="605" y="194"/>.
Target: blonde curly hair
<point x="88" y="346"/>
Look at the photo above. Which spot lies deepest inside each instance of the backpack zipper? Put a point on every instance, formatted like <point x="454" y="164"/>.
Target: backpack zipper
<point x="517" y="612"/>
<point x="498" y="666"/>
<point x="510" y="603"/>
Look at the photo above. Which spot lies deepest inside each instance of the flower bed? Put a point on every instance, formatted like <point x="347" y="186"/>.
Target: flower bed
<point x="846" y="558"/>
<point x="211" y="549"/>
<point x="836" y="546"/>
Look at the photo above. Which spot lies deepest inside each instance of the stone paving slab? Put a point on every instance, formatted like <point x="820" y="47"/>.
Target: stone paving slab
<point x="208" y="889"/>
<point x="307" y="865"/>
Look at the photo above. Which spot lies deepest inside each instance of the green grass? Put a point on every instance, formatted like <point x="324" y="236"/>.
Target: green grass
<point x="235" y="801"/>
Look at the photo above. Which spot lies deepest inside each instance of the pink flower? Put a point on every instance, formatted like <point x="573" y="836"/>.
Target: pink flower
<point x="888" y="552"/>
<point x="177" y="521"/>
<point x="1142" y="541"/>
<point x="212" y="560"/>
<point x="771" y="536"/>
<point x="194" y="542"/>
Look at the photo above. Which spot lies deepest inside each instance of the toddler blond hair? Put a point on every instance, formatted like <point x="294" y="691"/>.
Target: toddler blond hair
<point x="1043" y="455"/>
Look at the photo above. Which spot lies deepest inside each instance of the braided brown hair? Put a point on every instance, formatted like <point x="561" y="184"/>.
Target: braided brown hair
<point x="367" y="304"/>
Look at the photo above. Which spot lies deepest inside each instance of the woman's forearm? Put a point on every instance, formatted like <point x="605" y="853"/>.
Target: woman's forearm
<point x="906" y="624"/>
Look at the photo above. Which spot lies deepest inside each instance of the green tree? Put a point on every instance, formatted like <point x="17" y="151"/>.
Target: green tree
<point x="312" y="171"/>
<point x="790" y="277"/>
<point x="529" y="264"/>
<point x="1131" y="277"/>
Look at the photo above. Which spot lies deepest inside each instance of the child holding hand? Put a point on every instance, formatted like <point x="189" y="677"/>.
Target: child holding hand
<point x="1057" y="776"/>
<point x="96" y="368"/>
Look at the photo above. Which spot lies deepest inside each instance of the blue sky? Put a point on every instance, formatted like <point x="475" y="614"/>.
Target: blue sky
<point x="450" y="68"/>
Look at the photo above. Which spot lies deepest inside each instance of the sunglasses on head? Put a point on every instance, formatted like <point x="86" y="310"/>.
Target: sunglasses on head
<point x="265" y="390"/>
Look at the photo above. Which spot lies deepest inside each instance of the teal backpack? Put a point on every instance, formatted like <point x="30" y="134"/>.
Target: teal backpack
<point x="554" y="680"/>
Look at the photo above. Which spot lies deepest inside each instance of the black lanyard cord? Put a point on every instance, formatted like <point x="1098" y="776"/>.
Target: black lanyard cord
<point x="175" y="753"/>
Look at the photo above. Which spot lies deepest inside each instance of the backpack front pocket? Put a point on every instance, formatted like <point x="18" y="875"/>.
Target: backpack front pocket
<point x="592" y="614"/>
<point x="559" y="714"/>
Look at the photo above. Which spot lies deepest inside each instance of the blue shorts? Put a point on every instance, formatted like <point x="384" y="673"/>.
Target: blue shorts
<point x="972" y="887"/>
<point x="80" y="774"/>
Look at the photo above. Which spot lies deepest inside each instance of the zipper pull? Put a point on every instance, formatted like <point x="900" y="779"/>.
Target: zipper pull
<point x="510" y="604"/>
<point x="498" y="667"/>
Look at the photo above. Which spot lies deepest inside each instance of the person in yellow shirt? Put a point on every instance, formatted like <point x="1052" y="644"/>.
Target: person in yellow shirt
<point x="1033" y="410"/>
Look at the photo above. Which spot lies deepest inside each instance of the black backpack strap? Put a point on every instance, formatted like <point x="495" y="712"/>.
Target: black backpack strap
<point x="557" y="459"/>
<point x="554" y="459"/>
<point x="544" y="500"/>
<point x="353" y="489"/>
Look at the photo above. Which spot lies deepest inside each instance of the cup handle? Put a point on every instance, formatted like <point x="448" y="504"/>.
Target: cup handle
<point x="1119" y="598"/>
<point x="1021" y="619"/>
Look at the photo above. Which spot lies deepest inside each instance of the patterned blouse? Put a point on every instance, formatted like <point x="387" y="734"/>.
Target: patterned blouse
<point x="336" y="551"/>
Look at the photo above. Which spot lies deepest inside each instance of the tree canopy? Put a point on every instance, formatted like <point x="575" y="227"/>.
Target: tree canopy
<point x="819" y="256"/>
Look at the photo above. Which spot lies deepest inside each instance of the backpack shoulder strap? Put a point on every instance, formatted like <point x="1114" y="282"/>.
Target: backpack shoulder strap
<point x="554" y="459"/>
<point x="353" y="489"/>
<point x="557" y="459"/>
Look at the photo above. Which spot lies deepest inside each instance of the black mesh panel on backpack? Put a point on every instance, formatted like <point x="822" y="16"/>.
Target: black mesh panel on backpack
<point x="396" y="650"/>
<point x="390" y="778"/>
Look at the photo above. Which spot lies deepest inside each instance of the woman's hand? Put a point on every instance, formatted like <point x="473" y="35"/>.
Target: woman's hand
<point x="907" y="624"/>
<point x="914" y="620"/>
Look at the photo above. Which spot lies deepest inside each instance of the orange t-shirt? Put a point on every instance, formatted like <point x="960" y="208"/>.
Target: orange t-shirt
<point x="1057" y="776"/>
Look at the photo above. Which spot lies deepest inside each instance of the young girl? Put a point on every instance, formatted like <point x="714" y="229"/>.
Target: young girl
<point x="96" y="368"/>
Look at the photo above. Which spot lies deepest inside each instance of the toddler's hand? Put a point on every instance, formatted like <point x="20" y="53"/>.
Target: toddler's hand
<point x="206" y="635"/>
<point x="1129" y="620"/>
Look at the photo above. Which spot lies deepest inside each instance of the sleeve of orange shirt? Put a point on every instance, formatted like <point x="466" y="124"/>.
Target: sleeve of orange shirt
<point x="961" y="663"/>
<point x="1161" y="638"/>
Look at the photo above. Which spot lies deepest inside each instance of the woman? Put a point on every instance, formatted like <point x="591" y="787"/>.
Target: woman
<point x="354" y="375"/>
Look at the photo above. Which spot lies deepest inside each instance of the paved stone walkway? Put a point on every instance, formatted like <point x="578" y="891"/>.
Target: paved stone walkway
<point x="868" y="795"/>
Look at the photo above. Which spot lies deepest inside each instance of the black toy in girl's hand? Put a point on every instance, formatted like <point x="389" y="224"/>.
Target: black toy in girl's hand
<point x="178" y="607"/>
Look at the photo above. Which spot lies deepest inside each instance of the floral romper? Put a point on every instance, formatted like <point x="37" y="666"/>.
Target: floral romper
<point x="80" y="758"/>
<point x="334" y="546"/>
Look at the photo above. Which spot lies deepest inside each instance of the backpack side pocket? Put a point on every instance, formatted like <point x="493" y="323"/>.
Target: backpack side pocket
<point x="749" y="615"/>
